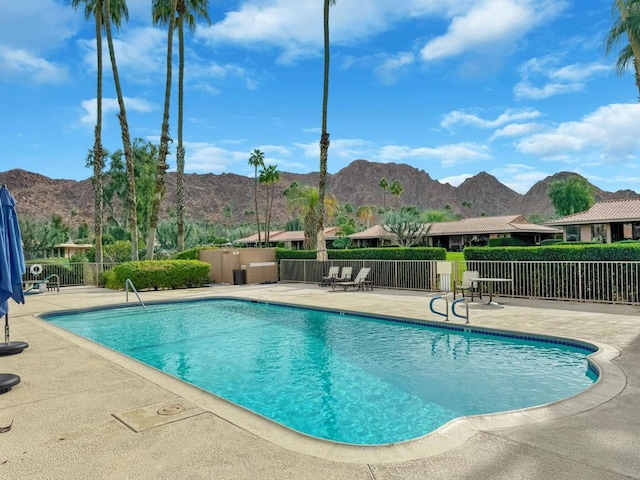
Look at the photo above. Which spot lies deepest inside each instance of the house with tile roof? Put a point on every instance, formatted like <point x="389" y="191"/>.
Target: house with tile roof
<point x="606" y="221"/>
<point x="292" y="240"/>
<point x="454" y="236"/>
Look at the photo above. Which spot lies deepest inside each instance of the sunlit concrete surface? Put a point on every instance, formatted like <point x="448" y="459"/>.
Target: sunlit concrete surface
<point x="83" y="411"/>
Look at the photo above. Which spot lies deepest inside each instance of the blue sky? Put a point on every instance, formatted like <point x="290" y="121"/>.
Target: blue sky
<point x="520" y="89"/>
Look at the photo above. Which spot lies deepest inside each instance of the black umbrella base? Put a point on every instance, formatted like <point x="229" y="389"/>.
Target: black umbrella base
<point x="7" y="381"/>
<point x="12" y="348"/>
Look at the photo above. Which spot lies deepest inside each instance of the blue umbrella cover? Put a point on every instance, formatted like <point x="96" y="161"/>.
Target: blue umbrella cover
<point x="12" y="265"/>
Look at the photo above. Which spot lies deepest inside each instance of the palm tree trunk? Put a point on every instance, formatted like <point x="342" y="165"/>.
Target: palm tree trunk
<point x="162" y="165"/>
<point x="97" y="146"/>
<point x="255" y="201"/>
<point x="180" y="210"/>
<point x="126" y="140"/>
<point x="321" y="244"/>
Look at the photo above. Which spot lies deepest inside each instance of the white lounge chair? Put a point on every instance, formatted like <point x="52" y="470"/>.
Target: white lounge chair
<point x="467" y="285"/>
<point x="360" y="282"/>
<point x="331" y="276"/>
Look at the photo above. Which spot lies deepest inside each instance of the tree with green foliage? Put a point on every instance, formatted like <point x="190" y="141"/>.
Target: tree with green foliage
<point x="365" y="213"/>
<point x="384" y="185"/>
<point x="95" y="8"/>
<point x="437" y="216"/>
<point x="305" y="201"/>
<point x="269" y="176"/>
<point x="406" y="226"/>
<point x="626" y="31"/>
<point x="321" y="244"/>
<point x="188" y="11"/>
<point x="39" y="237"/>
<point x="573" y="195"/>
<point x="162" y="166"/>
<point x="256" y="160"/>
<point x="396" y="190"/>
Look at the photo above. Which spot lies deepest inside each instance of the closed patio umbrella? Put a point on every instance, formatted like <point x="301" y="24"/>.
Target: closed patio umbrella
<point x="12" y="266"/>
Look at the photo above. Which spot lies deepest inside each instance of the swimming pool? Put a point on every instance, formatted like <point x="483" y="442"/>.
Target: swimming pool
<point x="356" y="379"/>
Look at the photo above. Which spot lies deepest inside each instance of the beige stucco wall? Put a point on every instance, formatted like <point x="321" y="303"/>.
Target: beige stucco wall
<point x="259" y="263"/>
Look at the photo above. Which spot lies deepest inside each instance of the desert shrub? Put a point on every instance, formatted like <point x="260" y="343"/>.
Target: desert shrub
<point x="159" y="274"/>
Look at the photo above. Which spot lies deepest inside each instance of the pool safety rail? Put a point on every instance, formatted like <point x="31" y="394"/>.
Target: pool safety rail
<point x="128" y="283"/>
<point x="454" y="304"/>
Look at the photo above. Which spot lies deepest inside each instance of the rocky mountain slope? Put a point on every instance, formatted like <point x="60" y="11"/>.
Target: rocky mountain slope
<point x="39" y="197"/>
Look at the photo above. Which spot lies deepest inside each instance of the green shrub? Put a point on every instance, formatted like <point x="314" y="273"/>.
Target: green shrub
<point x="559" y="252"/>
<point x="394" y="253"/>
<point x="550" y="241"/>
<point x="192" y="253"/>
<point x="159" y="274"/>
<point x="508" y="242"/>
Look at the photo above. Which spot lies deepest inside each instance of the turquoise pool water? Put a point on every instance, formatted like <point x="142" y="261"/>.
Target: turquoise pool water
<point x="341" y="377"/>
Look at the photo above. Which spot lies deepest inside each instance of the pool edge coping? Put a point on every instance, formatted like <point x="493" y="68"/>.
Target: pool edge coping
<point x="610" y="383"/>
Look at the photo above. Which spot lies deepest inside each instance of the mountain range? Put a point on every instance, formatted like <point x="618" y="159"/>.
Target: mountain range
<point x="39" y="197"/>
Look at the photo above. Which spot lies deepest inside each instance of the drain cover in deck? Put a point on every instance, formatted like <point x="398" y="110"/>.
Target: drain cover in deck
<point x="156" y="414"/>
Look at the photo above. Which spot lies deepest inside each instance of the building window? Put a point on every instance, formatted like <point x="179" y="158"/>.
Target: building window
<point x="573" y="233"/>
<point x="599" y="232"/>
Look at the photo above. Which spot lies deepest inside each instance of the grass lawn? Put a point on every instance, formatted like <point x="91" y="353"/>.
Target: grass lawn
<point x="458" y="257"/>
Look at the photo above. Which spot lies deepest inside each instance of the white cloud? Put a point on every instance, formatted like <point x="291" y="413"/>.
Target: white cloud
<point x="455" y="180"/>
<point x="517" y="130"/>
<point x="611" y="131"/>
<point x="203" y="157"/>
<point x="449" y="155"/>
<point x="541" y="77"/>
<point x="109" y="106"/>
<point x="50" y="24"/>
<point x="140" y="54"/>
<point x="490" y="24"/>
<point x="392" y="67"/>
<point x="20" y="64"/>
<point x="519" y="177"/>
<point x="510" y="115"/>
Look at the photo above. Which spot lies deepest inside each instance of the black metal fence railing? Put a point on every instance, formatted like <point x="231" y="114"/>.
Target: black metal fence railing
<point x="598" y="282"/>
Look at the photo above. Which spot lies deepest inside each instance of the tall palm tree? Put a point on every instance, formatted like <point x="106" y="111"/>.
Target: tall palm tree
<point x="305" y="201"/>
<point x="365" y="213"/>
<point x="114" y="15"/>
<point x="627" y="23"/>
<point x="396" y="190"/>
<point x="269" y="176"/>
<point x="384" y="185"/>
<point x="256" y="160"/>
<point x="188" y="11"/>
<point x="162" y="166"/>
<point x="324" y="141"/>
<point x="94" y="8"/>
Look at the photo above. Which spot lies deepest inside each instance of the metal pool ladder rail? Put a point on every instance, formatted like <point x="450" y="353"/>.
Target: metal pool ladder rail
<point x="466" y="306"/>
<point x="128" y="283"/>
<point x="444" y="314"/>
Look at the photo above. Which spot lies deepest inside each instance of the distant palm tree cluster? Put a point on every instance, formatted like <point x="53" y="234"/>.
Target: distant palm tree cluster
<point x="174" y="14"/>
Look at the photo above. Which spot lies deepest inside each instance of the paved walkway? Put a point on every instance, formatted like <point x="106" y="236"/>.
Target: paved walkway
<point x="82" y="411"/>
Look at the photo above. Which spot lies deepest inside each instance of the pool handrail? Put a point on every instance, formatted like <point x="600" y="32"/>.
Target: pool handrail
<point x="466" y="305"/>
<point x="444" y="314"/>
<point x="128" y="283"/>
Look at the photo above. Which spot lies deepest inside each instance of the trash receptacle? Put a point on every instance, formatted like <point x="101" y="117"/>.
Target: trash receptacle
<point x="239" y="277"/>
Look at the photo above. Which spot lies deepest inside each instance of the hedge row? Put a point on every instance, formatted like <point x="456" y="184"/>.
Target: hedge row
<point x="159" y="274"/>
<point x="575" y="253"/>
<point x="413" y="253"/>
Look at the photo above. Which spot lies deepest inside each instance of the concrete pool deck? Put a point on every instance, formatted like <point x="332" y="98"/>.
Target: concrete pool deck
<point x="82" y="411"/>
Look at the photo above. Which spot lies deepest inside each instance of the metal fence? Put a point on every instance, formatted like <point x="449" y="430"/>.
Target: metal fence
<point x="400" y="274"/>
<point x="604" y="282"/>
<point x="71" y="274"/>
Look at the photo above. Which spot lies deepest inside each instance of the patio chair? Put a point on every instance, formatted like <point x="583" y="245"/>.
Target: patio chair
<point x="331" y="276"/>
<point x="466" y="285"/>
<point x="360" y="282"/>
<point x="345" y="276"/>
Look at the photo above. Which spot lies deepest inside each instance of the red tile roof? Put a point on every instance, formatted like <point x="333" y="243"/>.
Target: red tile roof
<point x="627" y="209"/>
